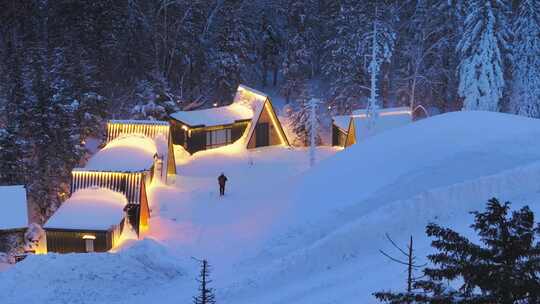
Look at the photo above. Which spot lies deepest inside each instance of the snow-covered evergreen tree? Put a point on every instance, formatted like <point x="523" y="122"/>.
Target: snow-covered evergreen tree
<point x="154" y="100"/>
<point x="380" y="41"/>
<point x="482" y="50"/>
<point x="526" y="60"/>
<point x="296" y="64"/>
<point x="314" y="137"/>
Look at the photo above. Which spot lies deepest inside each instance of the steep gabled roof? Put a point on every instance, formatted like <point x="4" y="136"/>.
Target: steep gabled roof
<point x="14" y="214"/>
<point x="259" y="102"/>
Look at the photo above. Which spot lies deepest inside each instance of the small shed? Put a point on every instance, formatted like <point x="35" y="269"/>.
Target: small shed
<point x="91" y="220"/>
<point x="250" y="117"/>
<point x="350" y="129"/>
<point x="14" y="219"/>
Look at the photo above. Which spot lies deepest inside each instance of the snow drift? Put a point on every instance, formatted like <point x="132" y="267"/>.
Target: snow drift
<point x="90" y="278"/>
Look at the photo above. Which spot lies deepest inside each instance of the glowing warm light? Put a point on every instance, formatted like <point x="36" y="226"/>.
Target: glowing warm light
<point x="185" y="128"/>
<point x="249" y="91"/>
<point x="275" y="122"/>
<point x="89" y="237"/>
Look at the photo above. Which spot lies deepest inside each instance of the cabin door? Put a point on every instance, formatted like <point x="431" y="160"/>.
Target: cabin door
<point x="89" y="244"/>
<point x="262" y="135"/>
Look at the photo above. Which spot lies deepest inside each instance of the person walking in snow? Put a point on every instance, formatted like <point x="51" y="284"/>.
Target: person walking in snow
<point x="222" y="179"/>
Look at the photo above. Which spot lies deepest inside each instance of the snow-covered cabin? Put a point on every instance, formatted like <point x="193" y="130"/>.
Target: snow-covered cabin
<point x="350" y="129"/>
<point x="92" y="219"/>
<point x="250" y="117"/>
<point x="14" y="218"/>
<point x="127" y="164"/>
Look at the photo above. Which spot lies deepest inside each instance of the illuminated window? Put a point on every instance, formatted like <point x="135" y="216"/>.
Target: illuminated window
<point x="218" y="138"/>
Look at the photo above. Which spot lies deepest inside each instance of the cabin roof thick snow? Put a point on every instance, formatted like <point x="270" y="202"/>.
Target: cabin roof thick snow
<point x="215" y="116"/>
<point x="14" y="213"/>
<point x="129" y="153"/>
<point x="387" y="119"/>
<point x="90" y="208"/>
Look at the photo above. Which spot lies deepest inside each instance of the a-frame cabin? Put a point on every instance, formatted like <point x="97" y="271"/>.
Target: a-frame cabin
<point x="250" y="117"/>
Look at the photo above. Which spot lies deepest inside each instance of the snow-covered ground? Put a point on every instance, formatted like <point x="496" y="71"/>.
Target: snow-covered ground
<point x="287" y="233"/>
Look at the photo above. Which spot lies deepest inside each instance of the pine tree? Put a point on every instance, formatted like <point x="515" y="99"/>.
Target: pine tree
<point x="231" y="52"/>
<point x="206" y="294"/>
<point x="342" y="65"/>
<point x="296" y="64"/>
<point x="482" y="50"/>
<point x="380" y="42"/>
<point x="526" y="60"/>
<point x="503" y="268"/>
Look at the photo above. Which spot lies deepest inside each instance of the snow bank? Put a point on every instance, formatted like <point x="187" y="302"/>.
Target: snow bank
<point x="437" y="169"/>
<point x="90" y="208"/>
<point x="14" y="207"/>
<point x="125" y="154"/>
<point x="98" y="278"/>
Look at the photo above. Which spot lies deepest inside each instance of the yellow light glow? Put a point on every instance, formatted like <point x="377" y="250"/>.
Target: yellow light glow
<point x="89" y="237"/>
<point x="185" y="128"/>
<point x="276" y="123"/>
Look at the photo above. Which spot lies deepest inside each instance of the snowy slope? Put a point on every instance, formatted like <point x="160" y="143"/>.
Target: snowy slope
<point x="433" y="170"/>
<point x="285" y="233"/>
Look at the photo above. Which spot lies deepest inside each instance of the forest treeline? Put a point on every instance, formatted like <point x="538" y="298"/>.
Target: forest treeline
<point x="66" y="66"/>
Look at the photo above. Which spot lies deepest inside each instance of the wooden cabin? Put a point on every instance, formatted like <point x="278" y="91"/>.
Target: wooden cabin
<point x="127" y="165"/>
<point x="91" y="220"/>
<point x="14" y="219"/>
<point x="250" y="117"/>
<point x="350" y="129"/>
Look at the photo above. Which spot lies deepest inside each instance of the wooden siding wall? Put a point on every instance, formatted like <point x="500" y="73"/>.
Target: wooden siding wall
<point x="130" y="184"/>
<point x="146" y="128"/>
<point x="177" y="133"/>
<point x="68" y="241"/>
<point x="171" y="162"/>
<point x="144" y="211"/>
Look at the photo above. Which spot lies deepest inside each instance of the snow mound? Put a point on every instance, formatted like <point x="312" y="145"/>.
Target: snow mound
<point x="90" y="208"/>
<point x="125" y="154"/>
<point x="434" y="152"/>
<point x="435" y="170"/>
<point x="90" y="278"/>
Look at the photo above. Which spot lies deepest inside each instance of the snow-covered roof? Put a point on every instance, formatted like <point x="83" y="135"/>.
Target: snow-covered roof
<point x="215" y="116"/>
<point x="14" y="212"/>
<point x="342" y="122"/>
<point x="90" y="208"/>
<point x="387" y="119"/>
<point x="386" y="111"/>
<point x="129" y="153"/>
<point x="139" y="122"/>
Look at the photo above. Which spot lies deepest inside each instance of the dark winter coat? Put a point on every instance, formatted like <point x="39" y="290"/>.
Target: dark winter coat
<point x="222" y="179"/>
